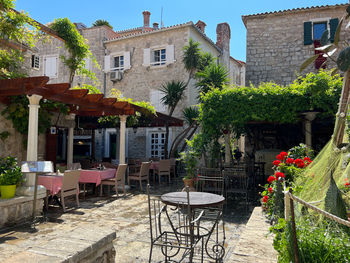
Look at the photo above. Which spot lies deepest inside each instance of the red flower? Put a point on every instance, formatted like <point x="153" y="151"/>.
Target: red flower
<point x="284" y="154"/>
<point x="271" y="179"/>
<point x="289" y="161"/>
<point x="265" y="199"/>
<point x="299" y="162"/>
<point x="307" y="159"/>
<point x="301" y="165"/>
<point x="276" y="162"/>
<point x="279" y="174"/>
<point x="270" y="190"/>
<point x="347" y="184"/>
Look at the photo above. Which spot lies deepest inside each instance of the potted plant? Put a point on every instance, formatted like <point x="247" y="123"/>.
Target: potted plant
<point x="190" y="159"/>
<point x="10" y="176"/>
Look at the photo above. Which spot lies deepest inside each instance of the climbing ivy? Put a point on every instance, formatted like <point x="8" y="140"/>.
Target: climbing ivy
<point x="233" y="107"/>
<point x="18" y="112"/>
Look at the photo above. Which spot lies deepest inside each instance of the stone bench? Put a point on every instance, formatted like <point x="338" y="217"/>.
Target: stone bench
<point x="82" y="244"/>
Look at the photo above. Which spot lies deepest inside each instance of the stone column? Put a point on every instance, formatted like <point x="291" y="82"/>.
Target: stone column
<point x="70" y="141"/>
<point x="122" y="139"/>
<point x="32" y="146"/>
<point x="309" y="117"/>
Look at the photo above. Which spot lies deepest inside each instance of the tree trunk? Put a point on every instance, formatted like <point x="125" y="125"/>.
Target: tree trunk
<point x="339" y="125"/>
<point x="188" y="138"/>
<point x="178" y="140"/>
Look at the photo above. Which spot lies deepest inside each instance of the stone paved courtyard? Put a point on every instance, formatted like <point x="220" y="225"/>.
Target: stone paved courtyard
<point x="127" y="216"/>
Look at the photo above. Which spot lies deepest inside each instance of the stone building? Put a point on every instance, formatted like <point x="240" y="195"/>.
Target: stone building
<point x="137" y="62"/>
<point x="279" y="42"/>
<point x="140" y="60"/>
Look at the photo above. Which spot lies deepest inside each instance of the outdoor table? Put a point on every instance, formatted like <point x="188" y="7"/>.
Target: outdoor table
<point x="52" y="182"/>
<point x="206" y="201"/>
<point x="95" y="176"/>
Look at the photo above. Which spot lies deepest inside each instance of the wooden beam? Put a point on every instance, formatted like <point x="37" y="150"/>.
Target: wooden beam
<point x="108" y="101"/>
<point x="94" y="97"/>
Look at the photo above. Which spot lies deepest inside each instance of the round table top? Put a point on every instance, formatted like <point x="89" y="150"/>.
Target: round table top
<point x="197" y="199"/>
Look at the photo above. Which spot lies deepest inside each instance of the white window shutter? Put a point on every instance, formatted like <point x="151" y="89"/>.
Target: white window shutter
<point x="107" y="63"/>
<point x="146" y="57"/>
<point x="170" y="54"/>
<point x="50" y="66"/>
<point x="127" y="60"/>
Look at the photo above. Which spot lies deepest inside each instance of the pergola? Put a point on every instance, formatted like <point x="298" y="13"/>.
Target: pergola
<point x="80" y="102"/>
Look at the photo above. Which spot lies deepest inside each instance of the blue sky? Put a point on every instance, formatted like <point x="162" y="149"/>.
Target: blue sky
<point x="128" y="14"/>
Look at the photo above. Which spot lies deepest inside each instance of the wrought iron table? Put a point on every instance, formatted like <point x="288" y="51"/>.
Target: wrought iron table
<point x="210" y="203"/>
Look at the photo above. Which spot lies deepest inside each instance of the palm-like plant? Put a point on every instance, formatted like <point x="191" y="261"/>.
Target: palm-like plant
<point x="213" y="76"/>
<point x="191" y="58"/>
<point x="101" y="22"/>
<point x="174" y="91"/>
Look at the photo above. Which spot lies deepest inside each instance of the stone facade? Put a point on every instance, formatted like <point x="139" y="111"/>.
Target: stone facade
<point x="275" y="42"/>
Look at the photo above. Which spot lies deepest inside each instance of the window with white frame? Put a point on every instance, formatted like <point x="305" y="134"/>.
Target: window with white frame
<point x="35" y="62"/>
<point x="158" y="57"/>
<point x="157" y="144"/>
<point x="118" y="63"/>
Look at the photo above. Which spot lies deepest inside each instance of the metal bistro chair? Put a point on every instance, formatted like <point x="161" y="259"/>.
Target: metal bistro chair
<point x="118" y="180"/>
<point x="212" y="180"/>
<point x="141" y="174"/>
<point x="174" y="229"/>
<point x="70" y="186"/>
<point x="236" y="182"/>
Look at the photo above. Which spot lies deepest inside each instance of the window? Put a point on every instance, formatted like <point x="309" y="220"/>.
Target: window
<point x="118" y="63"/>
<point x="155" y="100"/>
<point x="158" y="57"/>
<point x="318" y="30"/>
<point x="50" y="64"/>
<point x="35" y="62"/>
<point x="313" y="30"/>
<point x="157" y="144"/>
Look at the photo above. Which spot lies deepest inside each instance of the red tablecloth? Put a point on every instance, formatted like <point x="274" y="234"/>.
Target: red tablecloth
<point x="52" y="183"/>
<point x="95" y="176"/>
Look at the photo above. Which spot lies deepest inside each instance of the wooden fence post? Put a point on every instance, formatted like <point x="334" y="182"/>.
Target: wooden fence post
<point x="294" y="231"/>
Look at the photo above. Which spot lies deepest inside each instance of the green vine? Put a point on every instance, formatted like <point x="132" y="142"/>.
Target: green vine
<point x="233" y="107"/>
<point x="18" y="112"/>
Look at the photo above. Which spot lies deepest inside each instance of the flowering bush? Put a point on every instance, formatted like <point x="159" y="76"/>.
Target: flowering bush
<point x="287" y="166"/>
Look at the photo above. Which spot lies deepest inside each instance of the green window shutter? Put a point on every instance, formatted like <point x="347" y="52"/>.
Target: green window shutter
<point x="333" y="24"/>
<point x="307" y="33"/>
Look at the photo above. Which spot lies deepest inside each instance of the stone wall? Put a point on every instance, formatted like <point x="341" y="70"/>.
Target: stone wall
<point x="18" y="209"/>
<point x="275" y="43"/>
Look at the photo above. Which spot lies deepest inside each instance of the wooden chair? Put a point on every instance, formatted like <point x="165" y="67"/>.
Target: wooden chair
<point x="164" y="169"/>
<point x="119" y="179"/>
<point x="70" y="186"/>
<point x="142" y="174"/>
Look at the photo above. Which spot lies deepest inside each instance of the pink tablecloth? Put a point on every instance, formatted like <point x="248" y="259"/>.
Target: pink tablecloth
<point x="95" y="176"/>
<point x="52" y="183"/>
<point x="154" y="165"/>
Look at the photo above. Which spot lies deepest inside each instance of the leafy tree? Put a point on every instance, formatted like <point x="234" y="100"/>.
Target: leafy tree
<point x="212" y="76"/>
<point x="101" y="22"/>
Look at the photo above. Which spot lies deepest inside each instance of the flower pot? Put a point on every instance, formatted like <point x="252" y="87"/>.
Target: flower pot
<point x="7" y="191"/>
<point x="190" y="184"/>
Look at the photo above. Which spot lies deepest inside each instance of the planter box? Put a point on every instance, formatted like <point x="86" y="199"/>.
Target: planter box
<point x="19" y="209"/>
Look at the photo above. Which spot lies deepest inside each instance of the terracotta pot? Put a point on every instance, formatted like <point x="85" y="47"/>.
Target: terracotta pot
<point x="190" y="184"/>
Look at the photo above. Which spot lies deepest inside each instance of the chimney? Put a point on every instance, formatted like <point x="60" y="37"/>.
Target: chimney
<point x="146" y="15"/>
<point x="223" y="36"/>
<point x="155" y="26"/>
<point x="201" y="25"/>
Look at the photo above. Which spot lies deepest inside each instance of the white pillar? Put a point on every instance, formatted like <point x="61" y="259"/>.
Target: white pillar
<point x="32" y="146"/>
<point x="122" y="139"/>
<point x="70" y="141"/>
<point x="227" y="149"/>
<point x="309" y="117"/>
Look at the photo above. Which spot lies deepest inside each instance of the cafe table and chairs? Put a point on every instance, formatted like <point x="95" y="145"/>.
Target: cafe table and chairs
<point x="95" y="176"/>
<point x="200" y="203"/>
